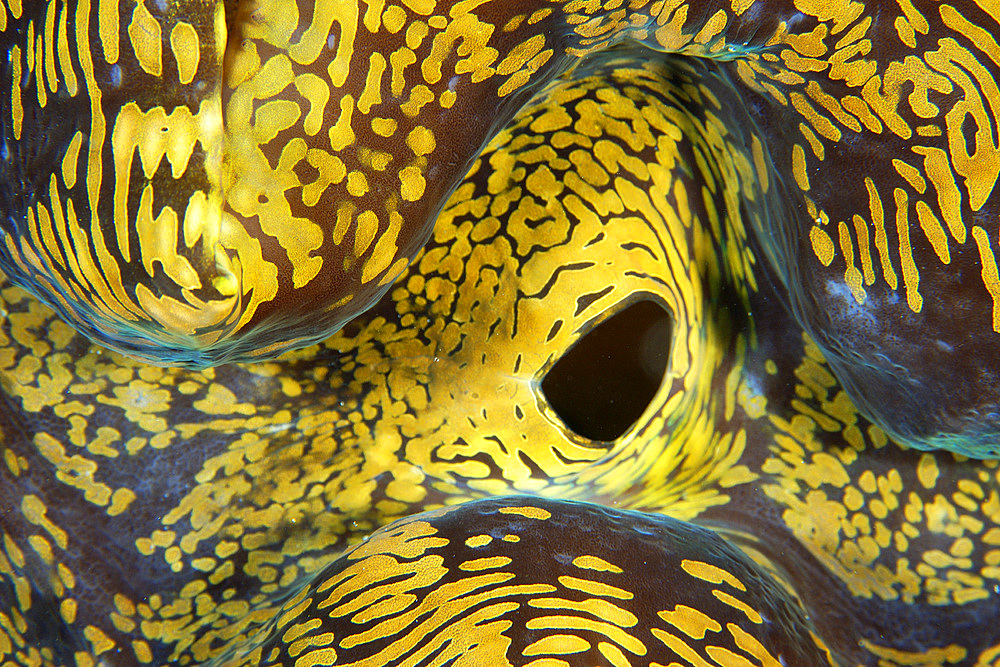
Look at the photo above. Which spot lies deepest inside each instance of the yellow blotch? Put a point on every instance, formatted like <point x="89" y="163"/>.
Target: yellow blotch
<point x="366" y="230"/>
<point x="372" y="93"/>
<point x="341" y="133"/>
<point x="385" y="249"/>
<point x="927" y="471"/>
<point x="67" y="609"/>
<point x="108" y="27"/>
<point x="690" y="621"/>
<point x="477" y="541"/>
<point x="34" y="511"/>
<point x="822" y="245"/>
<point x="394" y="18"/>
<point x="421" y="141"/>
<point x="187" y="51"/>
<point x="991" y="279"/>
<point x="412" y="183"/>
<point x="314" y="89"/>
<point x="384" y="127"/>
<point x="147" y="44"/>
<point x="99" y="641"/>
<point x="357" y="184"/>
<point x="120" y="501"/>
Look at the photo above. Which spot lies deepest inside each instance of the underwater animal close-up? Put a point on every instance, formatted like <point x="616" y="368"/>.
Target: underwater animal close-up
<point x="471" y="333"/>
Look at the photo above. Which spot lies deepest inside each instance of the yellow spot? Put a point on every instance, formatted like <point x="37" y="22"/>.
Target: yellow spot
<point x="187" y="51"/>
<point x="421" y="141"/>
<point x="822" y="245"/>
<point x="478" y="541"/>
<point x="144" y="33"/>
<point x="927" y="471"/>
<point x="67" y="609"/>
<point x="384" y="127"/>
<point x="357" y="184"/>
<point x="412" y="183"/>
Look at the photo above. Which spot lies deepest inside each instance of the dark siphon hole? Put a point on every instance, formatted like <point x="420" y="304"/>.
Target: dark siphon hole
<point x="602" y="385"/>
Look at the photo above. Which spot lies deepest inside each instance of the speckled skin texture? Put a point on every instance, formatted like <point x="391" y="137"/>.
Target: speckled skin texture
<point x="796" y="199"/>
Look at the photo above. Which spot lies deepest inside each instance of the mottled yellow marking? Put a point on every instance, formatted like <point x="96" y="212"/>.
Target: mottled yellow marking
<point x="341" y="133"/>
<point x="384" y="127"/>
<point x="852" y="276"/>
<point x="938" y="170"/>
<point x="412" y="183"/>
<point x="477" y="541"/>
<point x="147" y="42"/>
<point x="864" y="249"/>
<point x="739" y="605"/>
<point x="357" y="184"/>
<point x="367" y="228"/>
<point x="34" y="511"/>
<point x="143" y="652"/>
<point x="532" y="513"/>
<point x="822" y="245"/>
<point x="938" y="655"/>
<point x="314" y="89"/>
<point x="16" y="108"/>
<point x="911" y="276"/>
<point x="878" y="220"/>
<point x="558" y="644"/>
<point x="595" y="563"/>
<point x="98" y="639"/>
<point x="681" y="647"/>
<point x="711" y="573"/>
<point x="65" y="59"/>
<point x="489" y="563"/>
<point x="799" y="167"/>
<point x="51" y="76"/>
<point x="991" y="276"/>
<point x="595" y="588"/>
<point x="420" y="140"/>
<point x="187" y="51"/>
<point x="372" y="93"/>
<point x="910" y="173"/>
<point x="933" y="231"/>
<point x="67" y="609"/>
<point x="511" y="538"/>
<point x="690" y="621"/>
<point x="71" y="160"/>
<point x="927" y="471"/>
<point x="385" y="249"/>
